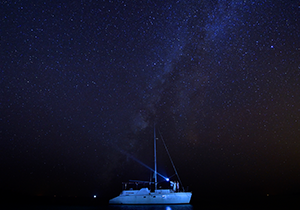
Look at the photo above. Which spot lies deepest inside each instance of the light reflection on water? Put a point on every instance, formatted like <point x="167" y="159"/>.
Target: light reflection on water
<point x="151" y="207"/>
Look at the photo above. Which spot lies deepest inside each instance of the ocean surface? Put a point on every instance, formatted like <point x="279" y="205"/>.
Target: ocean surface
<point x="100" y="207"/>
<point x="153" y="207"/>
<point x="232" y="203"/>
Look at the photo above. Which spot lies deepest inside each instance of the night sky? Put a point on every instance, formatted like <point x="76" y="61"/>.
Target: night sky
<point x="83" y="82"/>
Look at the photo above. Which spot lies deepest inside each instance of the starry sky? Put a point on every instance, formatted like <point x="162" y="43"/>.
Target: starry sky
<point x="83" y="82"/>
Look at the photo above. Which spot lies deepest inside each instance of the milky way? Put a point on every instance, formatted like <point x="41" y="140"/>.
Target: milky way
<point x="82" y="84"/>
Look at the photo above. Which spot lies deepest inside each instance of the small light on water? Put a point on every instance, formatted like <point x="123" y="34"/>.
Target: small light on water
<point x="95" y="196"/>
<point x="168" y="208"/>
<point x="167" y="179"/>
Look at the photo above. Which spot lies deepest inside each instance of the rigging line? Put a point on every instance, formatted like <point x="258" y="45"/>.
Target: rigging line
<point x="170" y="159"/>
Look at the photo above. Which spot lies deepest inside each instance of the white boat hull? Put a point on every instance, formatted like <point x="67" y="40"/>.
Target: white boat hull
<point x="153" y="198"/>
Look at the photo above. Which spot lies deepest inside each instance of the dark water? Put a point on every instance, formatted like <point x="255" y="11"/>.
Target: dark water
<point x="248" y="203"/>
<point x="100" y="207"/>
<point x="213" y="206"/>
<point x="152" y="207"/>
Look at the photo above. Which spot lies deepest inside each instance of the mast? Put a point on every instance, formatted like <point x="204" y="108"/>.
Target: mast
<point x="155" y="166"/>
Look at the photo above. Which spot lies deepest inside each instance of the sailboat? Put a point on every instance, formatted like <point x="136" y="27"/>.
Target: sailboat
<point x="157" y="196"/>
